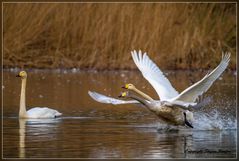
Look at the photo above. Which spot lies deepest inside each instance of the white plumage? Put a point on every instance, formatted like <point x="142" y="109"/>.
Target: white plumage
<point x="172" y="106"/>
<point x="154" y="76"/>
<point x="193" y="92"/>
<point x="105" y="99"/>
<point x="42" y="112"/>
<point x="37" y="112"/>
<point x="167" y="94"/>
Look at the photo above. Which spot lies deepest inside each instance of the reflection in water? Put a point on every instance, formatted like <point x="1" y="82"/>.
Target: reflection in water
<point x="89" y="129"/>
<point x="22" y="128"/>
<point x="37" y="127"/>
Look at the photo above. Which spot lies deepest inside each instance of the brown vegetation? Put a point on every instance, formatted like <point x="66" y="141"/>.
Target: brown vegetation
<point x="101" y="35"/>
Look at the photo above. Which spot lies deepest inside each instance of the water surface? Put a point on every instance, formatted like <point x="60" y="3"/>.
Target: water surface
<point x="89" y="129"/>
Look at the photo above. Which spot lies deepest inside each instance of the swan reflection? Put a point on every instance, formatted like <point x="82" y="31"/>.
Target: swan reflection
<point x="33" y="128"/>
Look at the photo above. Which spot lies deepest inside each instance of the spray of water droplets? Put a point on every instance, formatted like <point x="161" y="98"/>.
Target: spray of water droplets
<point x="214" y="120"/>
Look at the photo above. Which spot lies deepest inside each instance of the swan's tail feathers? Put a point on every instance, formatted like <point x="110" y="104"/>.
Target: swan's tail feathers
<point x="52" y="113"/>
<point x="202" y="103"/>
<point x="109" y="100"/>
<point x="58" y="114"/>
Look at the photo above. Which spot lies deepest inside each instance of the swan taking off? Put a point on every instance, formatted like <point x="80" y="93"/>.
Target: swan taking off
<point x="173" y="107"/>
<point x="173" y="115"/>
<point x="163" y="87"/>
<point x="37" y="112"/>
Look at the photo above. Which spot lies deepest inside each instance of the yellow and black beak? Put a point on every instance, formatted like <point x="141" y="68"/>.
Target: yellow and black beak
<point x="123" y="94"/>
<point x="18" y="75"/>
<point x="125" y="86"/>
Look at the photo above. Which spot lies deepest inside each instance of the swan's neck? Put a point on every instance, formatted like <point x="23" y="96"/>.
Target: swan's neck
<point x="141" y="100"/>
<point x="149" y="105"/>
<point x="147" y="97"/>
<point x="22" y="111"/>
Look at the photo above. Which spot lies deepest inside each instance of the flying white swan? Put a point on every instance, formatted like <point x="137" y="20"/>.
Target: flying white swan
<point x="172" y="115"/>
<point x="37" y="112"/>
<point x="167" y="94"/>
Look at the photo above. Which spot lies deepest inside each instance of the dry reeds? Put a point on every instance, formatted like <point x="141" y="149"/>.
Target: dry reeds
<point x="101" y="36"/>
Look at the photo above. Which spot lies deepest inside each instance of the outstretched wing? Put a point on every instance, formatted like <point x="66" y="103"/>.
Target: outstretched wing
<point x="109" y="100"/>
<point x="154" y="75"/>
<point x="193" y="92"/>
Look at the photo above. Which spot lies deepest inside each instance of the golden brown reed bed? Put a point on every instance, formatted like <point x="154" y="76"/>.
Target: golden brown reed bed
<point x="101" y="36"/>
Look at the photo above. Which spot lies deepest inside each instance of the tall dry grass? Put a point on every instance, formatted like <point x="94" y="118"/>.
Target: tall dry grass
<point x="101" y="36"/>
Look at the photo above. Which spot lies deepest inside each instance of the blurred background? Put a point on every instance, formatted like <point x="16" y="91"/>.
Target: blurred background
<point x="101" y="35"/>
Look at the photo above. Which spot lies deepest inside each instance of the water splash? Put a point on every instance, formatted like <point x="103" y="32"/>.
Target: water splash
<point x="213" y="120"/>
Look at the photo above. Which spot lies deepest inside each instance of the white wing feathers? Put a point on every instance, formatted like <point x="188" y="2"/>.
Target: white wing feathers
<point x="105" y="99"/>
<point x="163" y="87"/>
<point x="193" y="92"/>
<point x="152" y="73"/>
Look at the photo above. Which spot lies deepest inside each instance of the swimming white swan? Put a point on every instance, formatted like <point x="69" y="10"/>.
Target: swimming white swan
<point x="172" y="115"/>
<point x="37" y="112"/>
<point x="167" y="94"/>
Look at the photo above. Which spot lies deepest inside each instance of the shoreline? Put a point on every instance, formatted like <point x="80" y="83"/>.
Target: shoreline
<point x="76" y="70"/>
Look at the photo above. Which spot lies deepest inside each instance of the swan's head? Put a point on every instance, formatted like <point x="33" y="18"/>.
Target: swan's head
<point x="22" y="74"/>
<point x="129" y="86"/>
<point x="188" y="118"/>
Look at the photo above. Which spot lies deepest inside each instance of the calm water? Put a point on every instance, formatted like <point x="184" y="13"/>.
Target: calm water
<point x="89" y="129"/>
